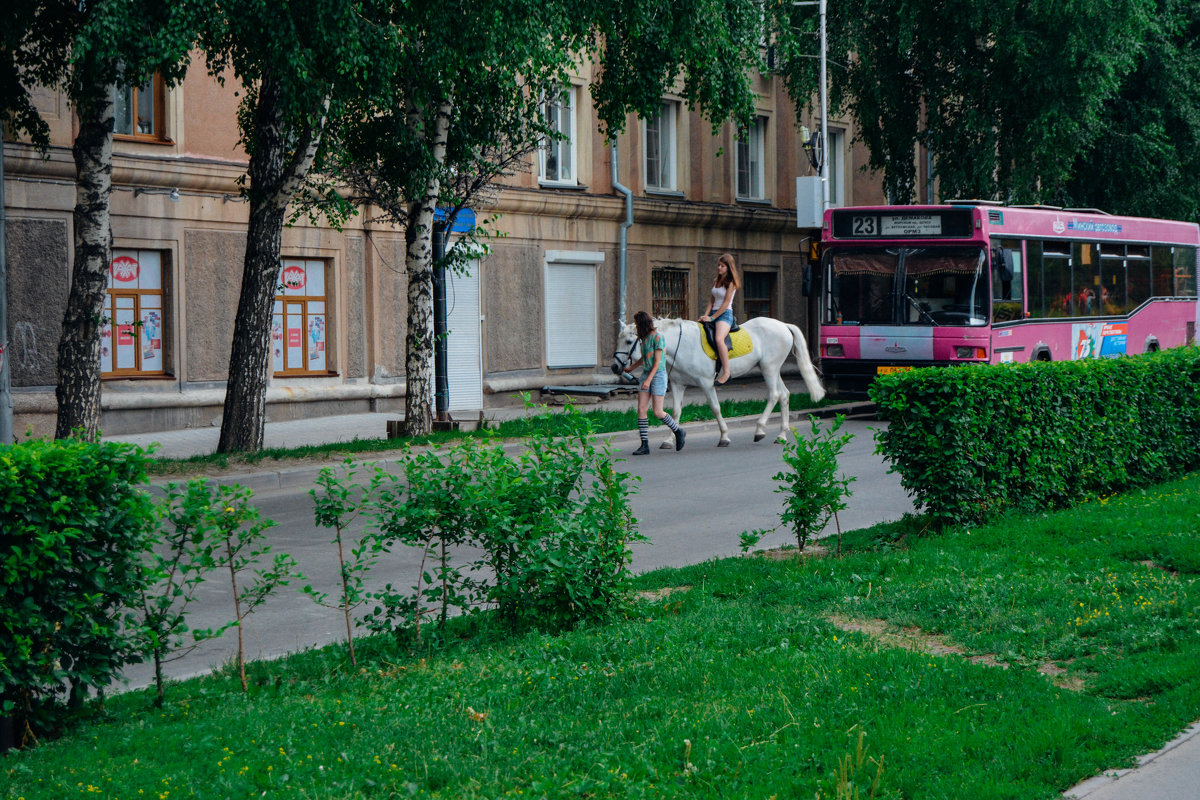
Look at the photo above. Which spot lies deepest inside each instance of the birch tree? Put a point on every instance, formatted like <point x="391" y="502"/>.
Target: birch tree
<point x="86" y="49"/>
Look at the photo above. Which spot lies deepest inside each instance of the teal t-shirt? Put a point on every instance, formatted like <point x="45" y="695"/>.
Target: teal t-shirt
<point x="651" y="343"/>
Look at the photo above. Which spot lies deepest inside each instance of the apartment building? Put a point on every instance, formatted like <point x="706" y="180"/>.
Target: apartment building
<point x="542" y="307"/>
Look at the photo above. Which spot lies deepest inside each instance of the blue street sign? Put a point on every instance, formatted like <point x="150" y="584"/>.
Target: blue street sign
<point x="464" y="221"/>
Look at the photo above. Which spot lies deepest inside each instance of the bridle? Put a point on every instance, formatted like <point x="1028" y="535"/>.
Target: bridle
<point x="625" y="358"/>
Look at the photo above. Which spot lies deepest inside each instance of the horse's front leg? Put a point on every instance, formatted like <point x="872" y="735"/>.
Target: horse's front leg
<point x="677" y="390"/>
<point x="710" y="392"/>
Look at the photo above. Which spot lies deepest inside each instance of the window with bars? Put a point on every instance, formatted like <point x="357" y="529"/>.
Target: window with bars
<point x="669" y="289"/>
<point x="758" y="293"/>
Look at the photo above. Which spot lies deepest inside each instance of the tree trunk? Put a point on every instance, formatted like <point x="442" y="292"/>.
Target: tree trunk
<point x="418" y="261"/>
<point x="78" y="389"/>
<point x="276" y="174"/>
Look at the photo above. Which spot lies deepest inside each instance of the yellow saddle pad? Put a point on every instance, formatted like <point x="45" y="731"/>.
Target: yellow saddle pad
<point x="742" y="344"/>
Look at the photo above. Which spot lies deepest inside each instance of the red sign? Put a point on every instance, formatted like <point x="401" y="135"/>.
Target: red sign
<point x="124" y="335"/>
<point x="124" y="269"/>
<point x="294" y="337"/>
<point x="293" y="277"/>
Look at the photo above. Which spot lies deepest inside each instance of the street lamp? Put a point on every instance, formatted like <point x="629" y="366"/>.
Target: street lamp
<point x="815" y="148"/>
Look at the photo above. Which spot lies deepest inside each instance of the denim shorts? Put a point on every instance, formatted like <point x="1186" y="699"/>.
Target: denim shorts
<point x="658" y="384"/>
<point x="726" y="317"/>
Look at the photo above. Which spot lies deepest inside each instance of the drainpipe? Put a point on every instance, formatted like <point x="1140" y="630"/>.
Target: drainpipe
<point x="626" y="224"/>
<point x="6" y="404"/>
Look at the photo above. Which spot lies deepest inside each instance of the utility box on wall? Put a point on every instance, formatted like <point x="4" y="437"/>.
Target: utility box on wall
<point x="809" y="202"/>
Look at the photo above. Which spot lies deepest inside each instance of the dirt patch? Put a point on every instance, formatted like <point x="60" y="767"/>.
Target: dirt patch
<point x="666" y="591"/>
<point x="791" y="553"/>
<point x="916" y="640"/>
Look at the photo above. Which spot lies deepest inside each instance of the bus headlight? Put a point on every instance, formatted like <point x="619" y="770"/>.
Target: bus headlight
<point x="970" y="352"/>
<point x="835" y="351"/>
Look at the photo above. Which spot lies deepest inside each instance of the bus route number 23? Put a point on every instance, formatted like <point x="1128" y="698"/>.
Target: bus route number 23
<point x="865" y="226"/>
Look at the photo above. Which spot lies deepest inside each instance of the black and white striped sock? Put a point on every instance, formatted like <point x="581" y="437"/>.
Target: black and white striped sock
<point x="644" y="429"/>
<point x="670" y="423"/>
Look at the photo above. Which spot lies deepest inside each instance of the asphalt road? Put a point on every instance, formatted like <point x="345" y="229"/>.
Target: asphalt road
<point x="692" y="505"/>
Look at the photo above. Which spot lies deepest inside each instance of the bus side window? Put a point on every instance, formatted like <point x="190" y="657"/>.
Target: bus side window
<point x="1006" y="281"/>
<point x="1185" y="271"/>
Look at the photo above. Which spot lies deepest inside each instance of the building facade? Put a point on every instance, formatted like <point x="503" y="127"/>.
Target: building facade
<point x="542" y="307"/>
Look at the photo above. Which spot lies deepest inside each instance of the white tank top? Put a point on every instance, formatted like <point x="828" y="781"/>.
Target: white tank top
<point x="718" y="297"/>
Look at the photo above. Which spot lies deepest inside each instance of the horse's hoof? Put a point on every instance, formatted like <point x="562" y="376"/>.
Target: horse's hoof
<point x="758" y="437"/>
<point x="781" y="440"/>
<point x="723" y="443"/>
<point x="667" y="445"/>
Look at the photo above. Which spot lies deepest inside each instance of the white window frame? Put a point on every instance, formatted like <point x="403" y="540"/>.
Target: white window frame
<point x="750" y="161"/>
<point x="571" y="322"/>
<point x="560" y="114"/>
<point x="660" y="135"/>
<point x="836" y="155"/>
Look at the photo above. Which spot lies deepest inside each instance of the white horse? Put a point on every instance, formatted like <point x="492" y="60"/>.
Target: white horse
<point x="688" y="365"/>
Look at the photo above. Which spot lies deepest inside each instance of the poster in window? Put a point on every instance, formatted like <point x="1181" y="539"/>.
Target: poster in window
<point x="277" y="341"/>
<point x="127" y="344"/>
<point x="151" y="340"/>
<point x="124" y="271"/>
<point x="294" y="358"/>
<point x="106" y="360"/>
<point x="292" y="277"/>
<point x="316" y="343"/>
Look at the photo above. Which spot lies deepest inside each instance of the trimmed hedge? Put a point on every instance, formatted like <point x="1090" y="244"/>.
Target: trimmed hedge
<point x="972" y="442"/>
<point x="74" y="524"/>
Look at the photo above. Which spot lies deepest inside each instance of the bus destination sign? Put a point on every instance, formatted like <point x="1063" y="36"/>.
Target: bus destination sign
<point x="853" y="223"/>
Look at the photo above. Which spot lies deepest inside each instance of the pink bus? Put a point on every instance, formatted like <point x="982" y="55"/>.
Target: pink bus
<point x="978" y="282"/>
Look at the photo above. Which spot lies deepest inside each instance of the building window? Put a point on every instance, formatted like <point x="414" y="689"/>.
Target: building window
<point x="571" y="302"/>
<point x="751" y="155"/>
<point x="660" y="149"/>
<point x="556" y="158"/>
<point x="758" y="295"/>
<point x="140" y="110"/>
<point x="669" y="290"/>
<point x="131" y="339"/>
<point x="298" y="328"/>
<point x="837" y="170"/>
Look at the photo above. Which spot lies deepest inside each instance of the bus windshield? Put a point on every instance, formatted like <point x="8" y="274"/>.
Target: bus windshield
<point x="929" y="286"/>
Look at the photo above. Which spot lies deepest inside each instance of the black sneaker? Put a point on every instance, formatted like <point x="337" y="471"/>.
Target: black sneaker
<point x="643" y="450"/>
<point x="680" y="437"/>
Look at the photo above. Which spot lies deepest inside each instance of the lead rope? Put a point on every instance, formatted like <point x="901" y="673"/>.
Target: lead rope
<point x="678" y="341"/>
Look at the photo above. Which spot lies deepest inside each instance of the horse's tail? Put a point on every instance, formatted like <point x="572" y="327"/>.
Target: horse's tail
<point x="800" y="349"/>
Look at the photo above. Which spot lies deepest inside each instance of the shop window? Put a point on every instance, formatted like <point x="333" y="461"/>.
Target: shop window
<point x="298" y="324"/>
<point x="140" y="111"/>
<point x="131" y="338"/>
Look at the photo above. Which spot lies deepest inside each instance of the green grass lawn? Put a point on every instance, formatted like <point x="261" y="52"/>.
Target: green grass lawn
<point x="1006" y="661"/>
<point x="601" y="420"/>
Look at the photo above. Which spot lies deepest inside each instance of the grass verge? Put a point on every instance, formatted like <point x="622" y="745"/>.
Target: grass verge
<point x="602" y="421"/>
<point x="753" y="677"/>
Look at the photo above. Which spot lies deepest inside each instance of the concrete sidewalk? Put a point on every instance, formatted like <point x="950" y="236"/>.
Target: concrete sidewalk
<point x="1172" y="773"/>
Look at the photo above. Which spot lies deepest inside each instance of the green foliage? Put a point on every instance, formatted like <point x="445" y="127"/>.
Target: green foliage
<point x="553" y="522"/>
<point x="74" y="523"/>
<point x="337" y="505"/>
<point x="974" y="442"/>
<point x="703" y="692"/>
<point x="240" y="531"/>
<point x="813" y="492"/>
<point x="178" y="562"/>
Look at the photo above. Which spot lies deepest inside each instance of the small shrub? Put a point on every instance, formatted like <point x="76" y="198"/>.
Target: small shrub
<point x="813" y="492"/>
<point x="74" y="523"/>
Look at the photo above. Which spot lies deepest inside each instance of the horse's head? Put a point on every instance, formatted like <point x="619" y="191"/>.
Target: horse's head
<point x="627" y="341"/>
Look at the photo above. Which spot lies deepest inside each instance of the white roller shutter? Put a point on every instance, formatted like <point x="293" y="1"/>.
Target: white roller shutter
<point x="464" y="365"/>
<point x="571" y="308"/>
